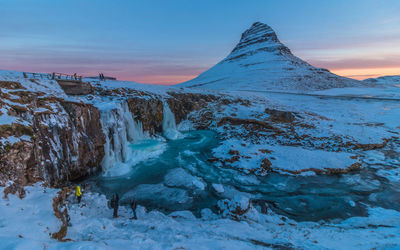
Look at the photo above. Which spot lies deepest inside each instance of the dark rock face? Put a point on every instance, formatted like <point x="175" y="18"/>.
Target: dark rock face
<point x="149" y="112"/>
<point x="181" y="104"/>
<point x="72" y="87"/>
<point x="266" y="165"/>
<point x="64" y="141"/>
<point x="280" y="116"/>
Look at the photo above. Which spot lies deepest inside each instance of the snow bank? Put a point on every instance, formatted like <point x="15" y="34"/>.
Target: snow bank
<point x="27" y="223"/>
<point x="284" y="159"/>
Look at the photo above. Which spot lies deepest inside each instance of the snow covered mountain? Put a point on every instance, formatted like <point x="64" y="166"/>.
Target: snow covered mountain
<point x="387" y="80"/>
<point x="261" y="62"/>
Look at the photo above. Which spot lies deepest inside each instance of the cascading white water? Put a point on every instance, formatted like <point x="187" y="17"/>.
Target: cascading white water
<point x="169" y="124"/>
<point x="121" y="130"/>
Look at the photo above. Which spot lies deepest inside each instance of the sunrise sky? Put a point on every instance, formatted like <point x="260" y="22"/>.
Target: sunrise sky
<point x="169" y="42"/>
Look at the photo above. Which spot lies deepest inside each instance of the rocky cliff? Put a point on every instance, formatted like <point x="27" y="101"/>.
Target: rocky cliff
<point x="45" y="138"/>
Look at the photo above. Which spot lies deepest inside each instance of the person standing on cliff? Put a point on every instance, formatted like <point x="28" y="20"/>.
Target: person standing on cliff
<point x="114" y="205"/>
<point x="78" y="193"/>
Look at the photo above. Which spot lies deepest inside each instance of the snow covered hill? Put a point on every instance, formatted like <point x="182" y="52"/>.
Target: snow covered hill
<point x="261" y="62"/>
<point x="386" y="80"/>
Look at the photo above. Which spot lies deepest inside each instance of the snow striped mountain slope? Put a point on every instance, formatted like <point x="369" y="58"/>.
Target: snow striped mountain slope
<point x="261" y="62"/>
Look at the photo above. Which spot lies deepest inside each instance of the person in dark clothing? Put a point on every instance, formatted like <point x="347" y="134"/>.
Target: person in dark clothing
<point x="133" y="206"/>
<point x="114" y="205"/>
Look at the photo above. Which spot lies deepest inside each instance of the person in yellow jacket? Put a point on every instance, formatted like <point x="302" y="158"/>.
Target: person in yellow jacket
<point x="78" y="193"/>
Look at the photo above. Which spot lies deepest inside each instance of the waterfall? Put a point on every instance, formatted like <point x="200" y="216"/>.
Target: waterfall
<point x="169" y="124"/>
<point x="120" y="130"/>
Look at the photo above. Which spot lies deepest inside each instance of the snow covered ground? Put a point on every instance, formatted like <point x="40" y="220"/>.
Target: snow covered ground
<point x="27" y="223"/>
<point x="285" y="158"/>
<point x="41" y="84"/>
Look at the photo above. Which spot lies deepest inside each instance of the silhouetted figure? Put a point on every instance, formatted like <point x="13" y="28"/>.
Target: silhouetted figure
<point x="114" y="204"/>
<point x="133" y="206"/>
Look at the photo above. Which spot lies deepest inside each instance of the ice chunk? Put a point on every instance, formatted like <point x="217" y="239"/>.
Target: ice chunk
<point x="218" y="187"/>
<point x="158" y="192"/>
<point x="178" y="177"/>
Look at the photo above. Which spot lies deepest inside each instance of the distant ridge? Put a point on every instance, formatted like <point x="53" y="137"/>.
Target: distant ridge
<point x="261" y="62"/>
<point x="384" y="80"/>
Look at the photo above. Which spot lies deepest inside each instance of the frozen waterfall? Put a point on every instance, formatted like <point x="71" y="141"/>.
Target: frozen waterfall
<point x="121" y="130"/>
<point x="126" y="143"/>
<point x="169" y="124"/>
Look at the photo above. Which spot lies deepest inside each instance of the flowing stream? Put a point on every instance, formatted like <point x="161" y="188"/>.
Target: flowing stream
<point x="174" y="174"/>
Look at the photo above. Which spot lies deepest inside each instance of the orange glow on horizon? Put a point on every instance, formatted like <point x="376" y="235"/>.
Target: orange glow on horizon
<point x="361" y="74"/>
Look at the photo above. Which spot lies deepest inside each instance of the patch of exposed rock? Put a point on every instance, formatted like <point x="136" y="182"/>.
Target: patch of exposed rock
<point x="280" y="116"/>
<point x="149" y="112"/>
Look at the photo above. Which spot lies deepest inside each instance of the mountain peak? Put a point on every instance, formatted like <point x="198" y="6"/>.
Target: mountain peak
<point x="258" y="28"/>
<point x="258" y="36"/>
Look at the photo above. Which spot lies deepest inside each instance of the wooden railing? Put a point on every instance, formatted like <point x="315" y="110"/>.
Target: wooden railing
<point x="62" y="76"/>
<point x="36" y="75"/>
<point x="53" y="76"/>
